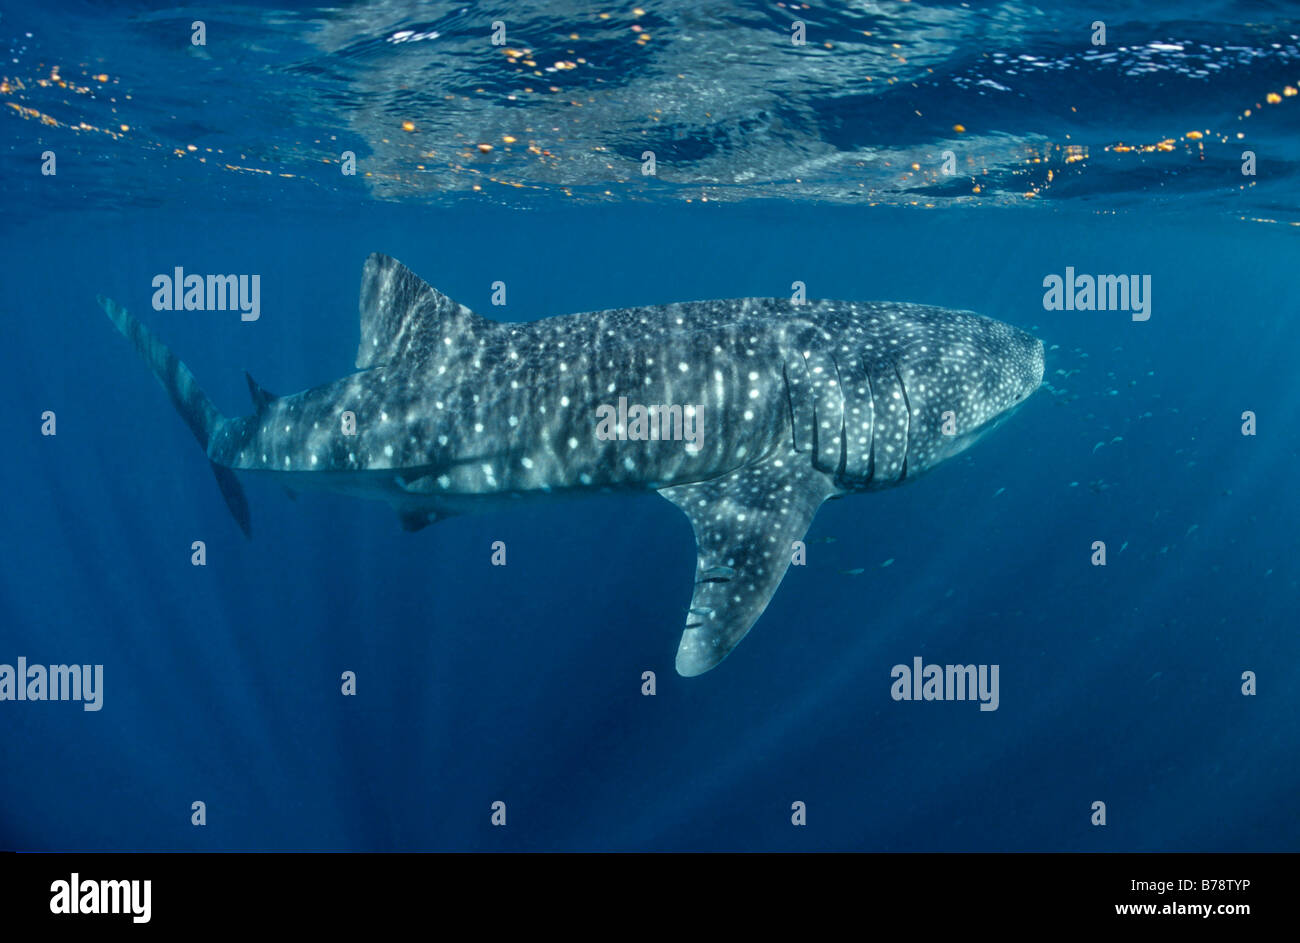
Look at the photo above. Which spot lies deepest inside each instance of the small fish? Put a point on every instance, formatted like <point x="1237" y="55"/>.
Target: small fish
<point x="888" y="562"/>
<point x="856" y="571"/>
<point x="1123" y="546"/>
<point x="998" y="492"/>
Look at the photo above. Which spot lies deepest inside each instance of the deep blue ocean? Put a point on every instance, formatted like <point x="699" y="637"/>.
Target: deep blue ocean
<point x="777" y="163"/>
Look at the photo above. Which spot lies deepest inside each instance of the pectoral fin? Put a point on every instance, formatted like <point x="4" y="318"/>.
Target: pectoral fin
<point x="745" y="524"/>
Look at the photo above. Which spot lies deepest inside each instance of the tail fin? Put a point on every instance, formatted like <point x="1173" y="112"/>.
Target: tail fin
<point x="190" y="401"/>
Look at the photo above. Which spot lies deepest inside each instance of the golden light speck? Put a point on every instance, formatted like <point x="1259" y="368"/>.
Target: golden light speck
<point x="408" y="125"/>
<point x="101" y="78"/>
<point x="1273" y="98"/>
<point x="1194" y="135"/>
<point x="125" y="127"/>
<point x="509" y="138"/>
<point x="485" y="148"/>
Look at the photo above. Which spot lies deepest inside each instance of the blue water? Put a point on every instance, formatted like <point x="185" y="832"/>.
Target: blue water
<point x="1119" y="684"/>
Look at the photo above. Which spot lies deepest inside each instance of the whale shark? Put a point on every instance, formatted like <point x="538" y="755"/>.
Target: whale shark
<point x="747" y="414"/>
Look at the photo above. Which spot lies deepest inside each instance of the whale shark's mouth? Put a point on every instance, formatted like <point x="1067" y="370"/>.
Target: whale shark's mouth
<point x="1040" y="366"/>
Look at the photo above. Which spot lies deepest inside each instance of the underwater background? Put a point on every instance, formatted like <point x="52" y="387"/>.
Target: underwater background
<point x="522" y="163"/>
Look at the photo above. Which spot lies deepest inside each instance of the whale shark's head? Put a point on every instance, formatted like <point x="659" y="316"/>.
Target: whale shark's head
<point x="962" y="375"/>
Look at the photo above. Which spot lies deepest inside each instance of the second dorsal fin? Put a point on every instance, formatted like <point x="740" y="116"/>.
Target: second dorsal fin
<point x="403" y="316"/>
<point x="260" y="396"/>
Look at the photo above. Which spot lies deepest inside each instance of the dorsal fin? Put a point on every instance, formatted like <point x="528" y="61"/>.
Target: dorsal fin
<point x="403" y="316"/>
<point x="260" y="396"/>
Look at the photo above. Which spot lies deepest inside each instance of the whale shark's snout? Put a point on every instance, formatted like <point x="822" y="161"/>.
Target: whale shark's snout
<point x="962" y="374"/>
<point x="1006" y="364"/>
<point x="1025" y="370"/>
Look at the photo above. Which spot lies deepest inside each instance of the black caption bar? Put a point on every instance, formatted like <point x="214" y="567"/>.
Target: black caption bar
<point x="139" y="892"/>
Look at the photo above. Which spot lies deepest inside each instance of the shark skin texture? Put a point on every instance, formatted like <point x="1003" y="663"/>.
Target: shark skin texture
<point x="758" y="410"/>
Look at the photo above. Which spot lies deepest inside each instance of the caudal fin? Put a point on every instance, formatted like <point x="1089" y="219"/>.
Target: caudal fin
<point x="190" y="401"/>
